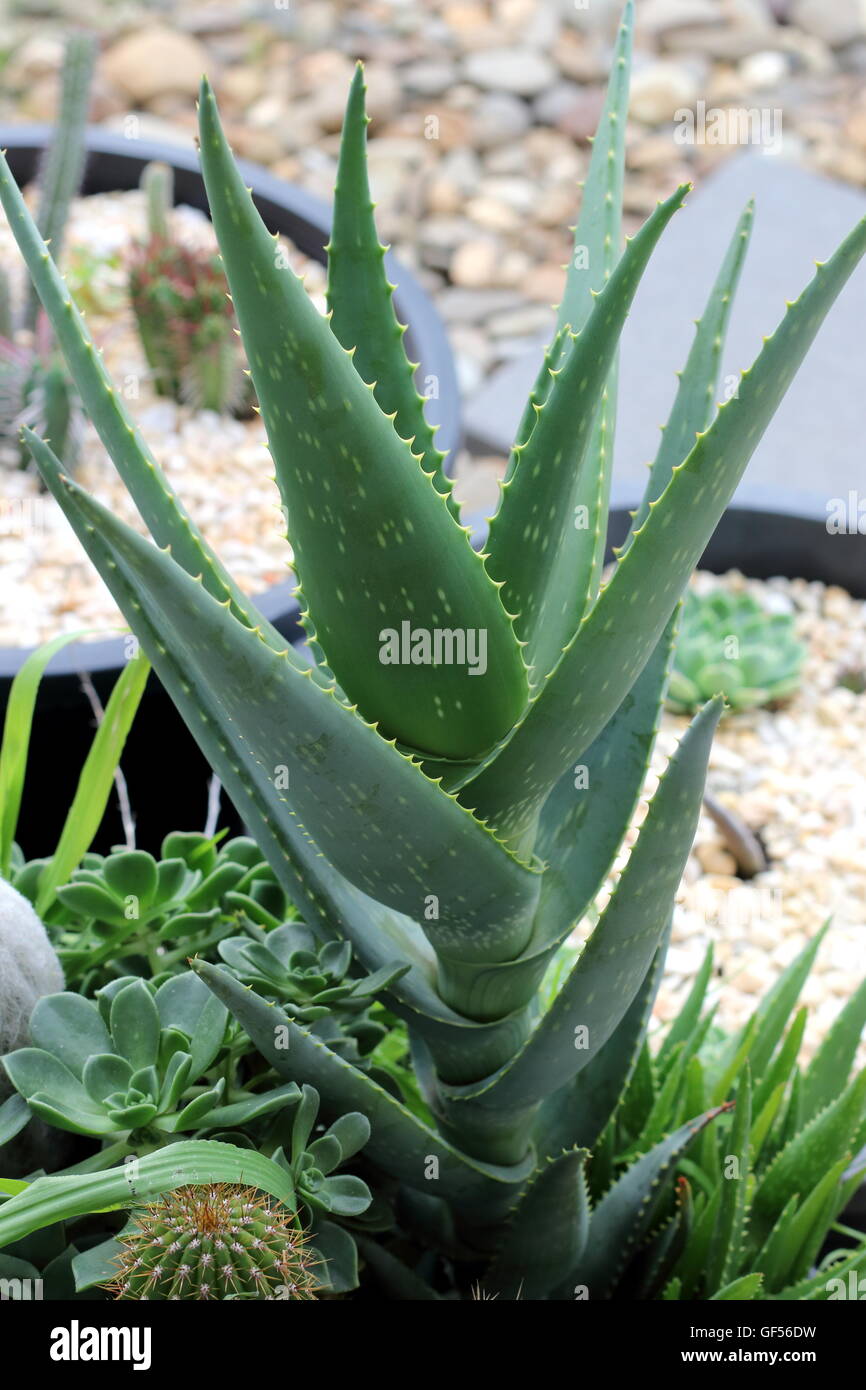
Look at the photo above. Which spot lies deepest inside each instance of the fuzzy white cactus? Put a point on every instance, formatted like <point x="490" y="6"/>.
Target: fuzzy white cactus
<point x="28" y="969"/>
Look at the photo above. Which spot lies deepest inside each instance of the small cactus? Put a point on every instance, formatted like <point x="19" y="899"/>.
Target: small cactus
<point x="35" y="389"/>
<point x="730" y="645"/>
<point x="62" y="168"/>
<point x="214" y="1242"/>
<point x="185" y="321"/>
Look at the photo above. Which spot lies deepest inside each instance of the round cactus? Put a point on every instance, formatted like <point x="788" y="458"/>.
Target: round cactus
<point x="215" y="1242"/>
<point x="730" y="645"/>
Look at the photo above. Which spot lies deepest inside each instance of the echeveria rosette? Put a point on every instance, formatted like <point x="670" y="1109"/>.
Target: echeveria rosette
<point x="311" y="981"/>
<point x="730" y="644"/>
<point x="132" y="1062"/>
<point x="131" y="912"/>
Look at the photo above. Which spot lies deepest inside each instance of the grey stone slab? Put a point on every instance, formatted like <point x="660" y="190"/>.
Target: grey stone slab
<point x="814" y="448"/>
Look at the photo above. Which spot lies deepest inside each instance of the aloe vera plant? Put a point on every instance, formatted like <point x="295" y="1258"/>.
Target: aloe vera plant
<point x="449" y="784"/>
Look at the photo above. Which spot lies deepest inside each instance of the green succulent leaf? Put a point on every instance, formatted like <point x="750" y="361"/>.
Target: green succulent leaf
<point x="620" y="631"/>
<point x="615" y="960"/>
<point x="699" y="380"/>
<point x="801" y="1164"/>
<point x="622" y="1217"/>
<point x="51" y="1199"/>
<point x="345" y="473"/>
<point x="353" y="790"/>
<point x="741" y="1290"/>
<point x="580" y="1111"/>
<point x="360" y="295"/>
<point x="827" y="1073"/>
<point x="543" y="538"/>
<point x="727" y="1240"/>
<point x="398" y="1142"/>
<point x="585" y="818"/>
<point x="159" y="507"/>
<point x="546" y="1235"/>
<point x="135" y="1025"/>
<point x="70" y="1028"/>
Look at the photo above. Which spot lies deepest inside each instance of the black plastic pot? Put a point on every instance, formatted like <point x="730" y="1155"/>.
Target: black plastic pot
<point x="166" y="774"/>
<point x="763" y="535"/>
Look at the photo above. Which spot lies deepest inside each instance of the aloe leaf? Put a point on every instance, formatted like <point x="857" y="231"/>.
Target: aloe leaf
<point x="833" y="1281"/>
<point x="620" y="1220"/>
<point x="597" y="238"/>
<point x="726" y="1244"/>
<point x="806" y="1157"/>
<point x="546" y="1235"/>
<point x="399" y="1282"/>
<point x="831" y="1066"/>
<point x="543" y="539"/>
<point x="686" y="1020"/>
<point x="581" y="828"/>
<point x="579" y="1112"/>
<point x="616" y="637"/>
<point x="51" y="1199"/>
<point x="775" y="1008"/>
<point x="346" y="475"/>
<point x="807" y="1229"/>
<point x="380" y="820"/>
<point x="764" y="1120"/>
<point x="360" y="295"/>
<point x="741" y="1290"/>
<point x="666" y="1105"/>
<point x="782" y="1067"/>
<point x="160" y="509"/>
<point x="615" y="960"/>
<point x="96" y="780"/>
<point x="585" y="818"/>
<point x="17" y="726"/>
<point x="699" y="380"/>
<point x="597" y="234"/>
<point x="598" y="227"/>
<point x="760" y="1034"/>
<point x="399" y="1142"/>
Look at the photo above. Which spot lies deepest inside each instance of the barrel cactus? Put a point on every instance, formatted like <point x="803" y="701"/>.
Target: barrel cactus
<point x="214" y="1242"/>
<point x="449" y="784"/>
<point x="730" y="644"/>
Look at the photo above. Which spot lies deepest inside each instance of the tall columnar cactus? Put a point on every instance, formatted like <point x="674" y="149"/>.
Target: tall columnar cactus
<point x="62" y="168"/>
<point x="452" y="788"/>
<point x="35" y="390"/>
<point x="184" y="318"/>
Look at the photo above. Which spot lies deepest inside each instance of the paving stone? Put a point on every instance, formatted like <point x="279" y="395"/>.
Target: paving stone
<point x="813" y="450"/>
